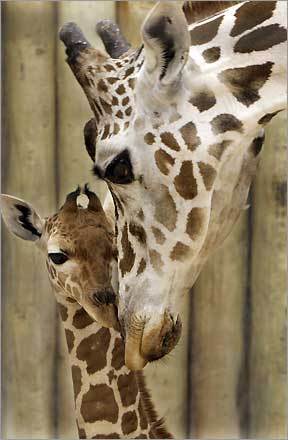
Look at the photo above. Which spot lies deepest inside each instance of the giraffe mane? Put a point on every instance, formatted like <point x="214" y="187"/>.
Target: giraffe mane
<point x="157" y="424"/>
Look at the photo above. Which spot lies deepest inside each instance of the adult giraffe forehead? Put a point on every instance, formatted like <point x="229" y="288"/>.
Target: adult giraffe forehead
<point x="177" y="139"/>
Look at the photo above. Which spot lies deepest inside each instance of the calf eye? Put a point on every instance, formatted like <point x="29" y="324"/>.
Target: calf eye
<point x="120" y="169"/>
<point x="58" y="257"/>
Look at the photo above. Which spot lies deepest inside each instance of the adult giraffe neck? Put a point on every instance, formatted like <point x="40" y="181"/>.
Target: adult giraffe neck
<point x="110" y="400"/>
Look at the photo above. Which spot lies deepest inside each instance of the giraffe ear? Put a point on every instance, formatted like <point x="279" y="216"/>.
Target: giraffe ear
<point x="166" y="42"/>
<point x="20" y="218"/>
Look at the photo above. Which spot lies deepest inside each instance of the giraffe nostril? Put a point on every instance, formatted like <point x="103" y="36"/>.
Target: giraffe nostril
<point x="104" y="297"/>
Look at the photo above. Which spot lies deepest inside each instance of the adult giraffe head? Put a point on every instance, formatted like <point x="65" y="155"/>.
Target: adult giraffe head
<point x="78" y="243"/>
<point x="178" y="126"/>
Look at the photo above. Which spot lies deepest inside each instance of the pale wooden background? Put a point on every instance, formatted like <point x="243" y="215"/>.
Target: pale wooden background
<point x="228" y="377"/>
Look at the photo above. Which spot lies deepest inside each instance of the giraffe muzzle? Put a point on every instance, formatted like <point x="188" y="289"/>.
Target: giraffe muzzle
<point x="147" y="342"/>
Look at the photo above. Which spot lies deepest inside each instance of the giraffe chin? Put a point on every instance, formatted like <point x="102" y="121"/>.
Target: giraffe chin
<point x="133" y="358"/>
<point x="147" y="342"/>
<point x="105" y="315"/>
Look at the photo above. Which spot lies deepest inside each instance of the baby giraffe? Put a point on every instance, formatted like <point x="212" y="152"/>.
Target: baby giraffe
<point x="77" y="241"/>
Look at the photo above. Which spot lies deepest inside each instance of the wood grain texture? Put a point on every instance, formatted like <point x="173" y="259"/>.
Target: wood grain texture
<point x="28" y="172"/>
<point x="130" y="16"/>
<point x="268" y="346"/>
<point x="216" y="339"/>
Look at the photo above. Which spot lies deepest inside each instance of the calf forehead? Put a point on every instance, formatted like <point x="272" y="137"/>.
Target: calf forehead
<point x="83" y="230"/>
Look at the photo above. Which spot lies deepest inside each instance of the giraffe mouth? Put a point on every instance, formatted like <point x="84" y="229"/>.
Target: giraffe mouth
<point x="146" y="343"/>
<point x="102" y="308"/>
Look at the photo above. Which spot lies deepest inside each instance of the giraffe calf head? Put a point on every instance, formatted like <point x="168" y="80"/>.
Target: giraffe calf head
<point x="78" y="244"/>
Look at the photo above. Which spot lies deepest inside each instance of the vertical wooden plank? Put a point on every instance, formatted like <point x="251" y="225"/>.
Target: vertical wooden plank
<point x="28" y="172"/>
<point x="167" y="379"/>
<point x="268" y="350"/>
<point x="130" y="16"/>
<point x="73" y="163"/>
<point x="217" y="326"/>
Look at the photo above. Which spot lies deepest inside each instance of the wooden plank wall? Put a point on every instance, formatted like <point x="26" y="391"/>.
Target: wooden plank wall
<point x="228" y="377"/>
<point x="43" y="158"/>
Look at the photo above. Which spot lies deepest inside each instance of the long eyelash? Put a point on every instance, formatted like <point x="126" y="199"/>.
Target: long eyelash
<point x="96" y="171"/>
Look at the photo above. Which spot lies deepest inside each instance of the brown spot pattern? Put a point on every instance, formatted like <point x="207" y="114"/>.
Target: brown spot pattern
<point x="185" y="183"/>
<point x="149" y="138"/>
<point x="63" y="311"/>
<point x="101" y="86"/>
<point x="129" y="72"/>
<point x="125" y="100"/>
<point x="128" y="111"/>
<point x="245" y="82"/>
<point x="129" y="422"/>
<point x="159" y="236"/>
<point x="127" y="262"/>
<point x="70" y="338"/>
<point x="99" y="404"/>
<point x="106" y="107"/>
<point x="81" y="433"/>
<point x="156" y="260"/>
<point x="217" y="150"/>
<point x="179" y="252"/>
<point x="81" y="319"/>
<point x="109" y="68"/>
<point x="189" y="135"/>
<point x="169" y="140"/>
<point x="142" y="267"/>
<point x="226" y="122"/>
<point x="93" y="350"/>
<point x="140" y="214"/>
<point x="163" y="161"/>
<point x="116" y="128"/>
<point x="203" y="100"/>
<point x="119" y="114"/>
<point x="127" y="388"/>
<point x="106" y="131"/>
<point x="111" y="376"/>
<point x="120" y="89"/>
<point x="267" y="118"/>
<point x="256" y="145"/>
<point x="212" y="54"/>
<point x="195" y="222"/>
<point x="112" y="80"/>
<point x="165" y="209"/>
<point x="77" y="380"/>
<point x="138" y="231"/>
<point x="261" y="39"/>
<point x="208" y="174"/>
<point x="112" y="435"/>
<point x="118" y="354"/>
<point x="251" y="14"/>
<point x="131" y="83"/>
<point x="205" y="32"/>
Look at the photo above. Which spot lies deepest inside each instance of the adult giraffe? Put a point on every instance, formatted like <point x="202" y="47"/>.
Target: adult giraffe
<point x="77" y="242"/>
<point x="179" y="128"/>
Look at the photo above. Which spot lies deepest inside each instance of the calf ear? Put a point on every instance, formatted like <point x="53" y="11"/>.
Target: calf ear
<point x="166" y="41"/>
<point x="20" y="218"/>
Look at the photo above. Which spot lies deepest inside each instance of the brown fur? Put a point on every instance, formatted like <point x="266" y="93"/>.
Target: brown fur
<point x="158" y="425"/>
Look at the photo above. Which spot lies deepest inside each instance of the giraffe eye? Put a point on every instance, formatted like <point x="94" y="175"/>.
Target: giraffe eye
<point x="120" y="169"/>
<point x="58" y="257"/>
